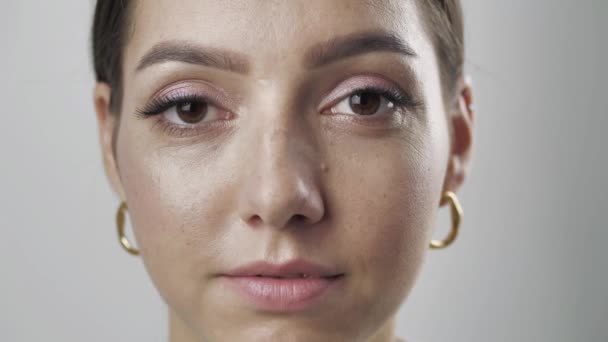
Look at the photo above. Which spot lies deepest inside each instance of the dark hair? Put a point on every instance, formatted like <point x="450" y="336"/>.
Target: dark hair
<point x="111" y="25"/>
<point x="108" y="38"/>
<point x="445" y="23"/>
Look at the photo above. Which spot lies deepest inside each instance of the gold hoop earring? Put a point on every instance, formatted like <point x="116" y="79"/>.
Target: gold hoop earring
<point x="120" y="224"/>
<point x="456" y="211"/>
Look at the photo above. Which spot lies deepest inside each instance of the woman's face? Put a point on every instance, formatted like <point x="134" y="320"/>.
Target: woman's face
<point x="280" y="130"/>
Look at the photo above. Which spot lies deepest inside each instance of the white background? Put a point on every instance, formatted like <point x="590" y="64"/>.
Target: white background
<point x="531" y="263"/>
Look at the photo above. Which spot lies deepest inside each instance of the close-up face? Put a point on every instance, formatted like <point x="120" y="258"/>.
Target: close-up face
<point x="278" y="130"/>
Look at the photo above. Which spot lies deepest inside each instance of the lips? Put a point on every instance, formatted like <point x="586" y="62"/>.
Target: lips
<point x="301" y="275"/>
<point x="297" y="268"/>
<point x="289" y="287"/>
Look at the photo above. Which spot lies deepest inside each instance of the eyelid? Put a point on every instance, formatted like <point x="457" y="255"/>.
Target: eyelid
<point x="211" y="93"/>
<point x="353" y="84"/>
<point x="161" y="104"/>
<point x="186" y="91"/>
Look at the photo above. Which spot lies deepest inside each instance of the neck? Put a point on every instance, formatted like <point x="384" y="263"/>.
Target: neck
<point x="180" y="332"/>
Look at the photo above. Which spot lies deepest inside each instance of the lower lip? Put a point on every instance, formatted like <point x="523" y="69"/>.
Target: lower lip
<point x="283" y="294"/>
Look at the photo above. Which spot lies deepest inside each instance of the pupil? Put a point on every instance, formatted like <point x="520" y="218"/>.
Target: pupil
<point x="192" y="112"/>
<point x="365" y="103"/>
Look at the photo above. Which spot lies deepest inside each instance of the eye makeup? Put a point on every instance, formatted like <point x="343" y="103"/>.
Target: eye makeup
<point x="398" y="102"/>
<point x="188" y="93"/>
<point x="374" y="84"/>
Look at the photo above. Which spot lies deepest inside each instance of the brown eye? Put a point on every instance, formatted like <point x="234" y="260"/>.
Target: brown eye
<point x="192" y="112"/>
<point x="365" y="103"/>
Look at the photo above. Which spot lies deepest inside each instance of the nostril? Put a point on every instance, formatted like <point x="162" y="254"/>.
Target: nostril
<point x="255" y="220"/>
<point x="299" y="218"/>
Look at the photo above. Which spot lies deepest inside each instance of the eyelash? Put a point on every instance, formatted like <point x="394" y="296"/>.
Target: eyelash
<point x="395" y="96"/>
<point x="164" y="103"/>
<point x="161" y="104"/>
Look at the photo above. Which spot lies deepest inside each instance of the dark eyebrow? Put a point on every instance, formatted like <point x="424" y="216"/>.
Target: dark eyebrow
<point x="356" y="44"/>
<point x="319" y="55"/>
<point x="187" y="52"/>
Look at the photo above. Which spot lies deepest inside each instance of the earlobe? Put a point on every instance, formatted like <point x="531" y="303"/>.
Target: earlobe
<point x="462" y="120"/>
<point x="107" y="122"/>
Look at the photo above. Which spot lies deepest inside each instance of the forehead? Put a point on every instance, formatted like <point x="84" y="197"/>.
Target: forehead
<point x="266" y="31"/>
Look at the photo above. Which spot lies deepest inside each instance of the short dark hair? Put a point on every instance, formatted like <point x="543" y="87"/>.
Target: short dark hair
<point x="111" y="25"/>
<point x="108" y="40"/>
<point x="445" y="23"/>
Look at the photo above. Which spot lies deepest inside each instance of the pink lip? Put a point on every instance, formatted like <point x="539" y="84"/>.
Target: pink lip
<point x="259" y="284"/>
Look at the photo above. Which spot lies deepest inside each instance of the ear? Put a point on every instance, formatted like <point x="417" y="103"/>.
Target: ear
<point x="461" y="120"/>
<point x="108" y="129"/>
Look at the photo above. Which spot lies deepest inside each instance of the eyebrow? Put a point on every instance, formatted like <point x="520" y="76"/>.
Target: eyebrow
<point x="356" y="44"/>
<point x="319" y="55"/>
<point x="186" y="52"/>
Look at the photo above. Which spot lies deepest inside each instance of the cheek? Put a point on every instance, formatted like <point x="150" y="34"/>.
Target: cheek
<point x="175" y="209"/>
<point x="385" y="196"/>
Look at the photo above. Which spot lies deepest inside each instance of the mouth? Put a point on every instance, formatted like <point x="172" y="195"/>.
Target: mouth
<point x="293" y="286"/>
<point x="295" y="276"/>
<point x="296" y="268"/>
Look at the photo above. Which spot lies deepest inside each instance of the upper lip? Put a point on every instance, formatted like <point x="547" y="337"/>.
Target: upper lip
<point x="293" y="267"/>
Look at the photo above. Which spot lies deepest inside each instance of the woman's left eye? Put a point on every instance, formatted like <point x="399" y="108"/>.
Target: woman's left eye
<point x="364" y="103"/>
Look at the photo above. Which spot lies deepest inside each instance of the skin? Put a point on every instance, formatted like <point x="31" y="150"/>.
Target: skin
<point x="281" y="177"/>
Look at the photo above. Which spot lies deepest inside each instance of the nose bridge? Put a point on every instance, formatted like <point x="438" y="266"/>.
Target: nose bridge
<point x="281" y="183"/>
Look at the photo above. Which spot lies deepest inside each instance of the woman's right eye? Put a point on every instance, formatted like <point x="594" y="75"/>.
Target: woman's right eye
<point x="183" y="111"/>
<point x="190" y="112"/>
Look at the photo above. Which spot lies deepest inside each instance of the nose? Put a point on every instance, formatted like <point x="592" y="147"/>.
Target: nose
<point x="281" y="177"/>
